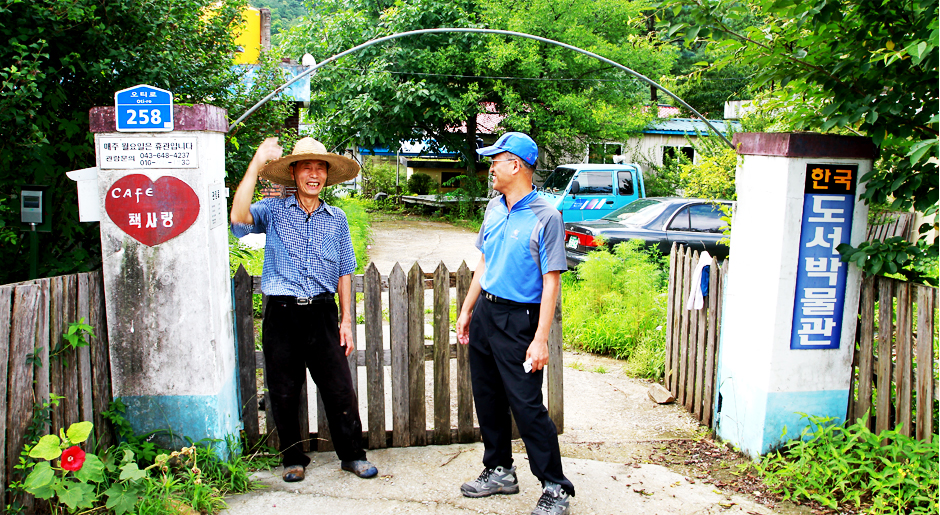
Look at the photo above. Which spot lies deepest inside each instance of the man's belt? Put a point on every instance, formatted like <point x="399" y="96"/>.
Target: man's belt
<point x="322" y="298"/>
<point x="499" y="300"/>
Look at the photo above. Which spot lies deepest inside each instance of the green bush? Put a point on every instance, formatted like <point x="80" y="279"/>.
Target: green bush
<point x="419" y="183"/>
<point x="377" y="177"/>
<point x="615" y="303"/>
<point x="836" y="465"/>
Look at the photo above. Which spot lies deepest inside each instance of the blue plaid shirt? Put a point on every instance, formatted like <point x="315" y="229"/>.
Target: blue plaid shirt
<point x="304" y="255"/>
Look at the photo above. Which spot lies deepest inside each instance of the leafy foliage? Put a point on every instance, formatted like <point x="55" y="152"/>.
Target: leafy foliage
<point x="63" y="58"/>
<point x="419" y="183"/>
<point x="427" y="86"/>
<point x="617" y="304"/>
<point x="838" y="465"/>
<point x="854" y="66"/>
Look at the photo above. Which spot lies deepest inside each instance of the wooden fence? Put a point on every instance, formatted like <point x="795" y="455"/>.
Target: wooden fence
<point x="692" y="336"/>
<point x="33" y="317"/>
<point x="405" y="356"/>
<point x="894" y="357"/>
<point x="897" y="321"/>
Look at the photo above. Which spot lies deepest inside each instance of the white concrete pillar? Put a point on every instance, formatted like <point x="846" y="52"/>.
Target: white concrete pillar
<point x="788" y="320"/>
<point x="164" y="245"/>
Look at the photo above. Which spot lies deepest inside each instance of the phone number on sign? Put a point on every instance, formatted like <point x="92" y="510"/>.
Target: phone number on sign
<point x="164" y="155"/>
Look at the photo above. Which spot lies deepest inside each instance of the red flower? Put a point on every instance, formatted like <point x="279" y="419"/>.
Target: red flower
<point x="73" y="458"/>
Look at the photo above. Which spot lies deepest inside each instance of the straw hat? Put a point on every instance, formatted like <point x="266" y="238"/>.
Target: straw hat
<point x="341" y="168"/>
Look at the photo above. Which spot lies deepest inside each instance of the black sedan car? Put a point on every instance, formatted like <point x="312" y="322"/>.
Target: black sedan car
<point x="658" y="221"/>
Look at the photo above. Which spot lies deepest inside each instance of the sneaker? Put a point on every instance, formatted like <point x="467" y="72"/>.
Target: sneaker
<point x="361" y="468"/>
<point x="492" y="481"/>
<point x="554" y="500"/>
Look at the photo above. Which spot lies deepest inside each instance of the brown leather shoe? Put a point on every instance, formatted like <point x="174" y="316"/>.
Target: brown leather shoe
<point x="293" y="473"/>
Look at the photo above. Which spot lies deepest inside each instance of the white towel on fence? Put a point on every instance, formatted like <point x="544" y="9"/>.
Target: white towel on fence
<point x="696" y="300"/>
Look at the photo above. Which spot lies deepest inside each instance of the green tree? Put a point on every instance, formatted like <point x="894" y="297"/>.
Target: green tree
<point x="63" y="58"/>
<point x="425" y="86"/>
<point x="858" y="66"/>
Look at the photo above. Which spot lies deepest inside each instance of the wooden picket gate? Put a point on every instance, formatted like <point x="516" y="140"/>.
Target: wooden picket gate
<point x="894" y="357"/>
<point x="33" y="317"/>
<point x="405" y="356"/>
<point x="692" y="336"/>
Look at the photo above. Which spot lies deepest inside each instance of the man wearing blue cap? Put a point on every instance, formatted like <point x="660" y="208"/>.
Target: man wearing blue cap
<point x="506" y="319"/>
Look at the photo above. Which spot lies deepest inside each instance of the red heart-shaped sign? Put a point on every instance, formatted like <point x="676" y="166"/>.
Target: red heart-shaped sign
<point x="151" y="212"/>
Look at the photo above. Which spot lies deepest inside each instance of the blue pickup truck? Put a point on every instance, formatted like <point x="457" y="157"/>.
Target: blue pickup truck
<point x="590" y="191"/>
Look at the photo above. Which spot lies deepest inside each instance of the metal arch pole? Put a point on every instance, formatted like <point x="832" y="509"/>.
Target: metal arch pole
<point x="478" y="31"/>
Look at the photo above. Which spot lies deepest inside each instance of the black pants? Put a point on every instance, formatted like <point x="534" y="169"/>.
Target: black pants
<point x="296" y="338"/>
<point x="499" y="337"/>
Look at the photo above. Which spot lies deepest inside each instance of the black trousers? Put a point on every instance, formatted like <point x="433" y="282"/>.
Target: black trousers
<point x="299" y="338"/>
<point x="500" y="334"/>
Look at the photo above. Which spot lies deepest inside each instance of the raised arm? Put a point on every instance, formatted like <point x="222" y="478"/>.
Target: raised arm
<point x="241" y="202"/>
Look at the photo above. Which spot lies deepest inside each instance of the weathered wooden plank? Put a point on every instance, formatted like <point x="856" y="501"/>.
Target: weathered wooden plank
<point x="44" y="344"/>
<point x="441" y="356"/>
<point x="100" y="361"/>
<point x="416" y="378"/>
<point x="6" y="312"/>
<point x="464" y="386"/>
<point x="926" y="304"/>
<point x="903" y="368"/>
<point x="27" y="300"/>
<point x="682" y="325"/>
<point x="883" y="419"/>
<point x="71" y="372"/>
<point x="700" y="337"/>
<point x="303" y="415"/>
<point x="375" y="371"/>
<point x="711" y="344"/>
<point x="677" y="322"/>
<point x="84" y="353"/>
<point x="57" y="325"/>
<point x="691" y="359"/>
<point x="556" y="369"/>
<point x="324" y="440"/>
<point x="398" y="343"/>
<point x="272" y="440"/>
<point x="866" y="337"/>
<point x="686" y="358"/>
<point x="670" y="317"/>
<point x="245" y="353"/>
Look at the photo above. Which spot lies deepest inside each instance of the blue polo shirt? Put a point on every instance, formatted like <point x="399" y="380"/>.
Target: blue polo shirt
<point x="520" y="246"/>
<point x="304" y="255"/>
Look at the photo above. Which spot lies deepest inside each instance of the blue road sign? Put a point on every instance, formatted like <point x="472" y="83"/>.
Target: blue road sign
<point x="143" y="108"/>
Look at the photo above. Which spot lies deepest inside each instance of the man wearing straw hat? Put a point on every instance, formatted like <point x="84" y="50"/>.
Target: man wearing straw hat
<point x="308" y="259"/>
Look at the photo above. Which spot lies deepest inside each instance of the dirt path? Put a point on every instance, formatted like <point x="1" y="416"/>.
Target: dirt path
<point x="608" y="415"/>
<point x="409" y="240"/>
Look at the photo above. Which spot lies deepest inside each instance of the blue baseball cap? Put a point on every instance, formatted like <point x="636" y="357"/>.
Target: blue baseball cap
<point x="515" y="142"/>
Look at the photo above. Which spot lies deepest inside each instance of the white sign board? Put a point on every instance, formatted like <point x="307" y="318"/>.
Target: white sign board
<point x="217" y="204"/>
<point x="147" y="153"/>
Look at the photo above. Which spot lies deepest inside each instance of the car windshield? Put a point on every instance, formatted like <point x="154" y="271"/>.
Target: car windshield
<point x="638" y="212"/>
<point x="558" y="181"/>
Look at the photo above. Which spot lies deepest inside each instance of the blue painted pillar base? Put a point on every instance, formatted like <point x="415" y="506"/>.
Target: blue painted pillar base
<point x="177" y="420"/>
<point x="759" y="422"/>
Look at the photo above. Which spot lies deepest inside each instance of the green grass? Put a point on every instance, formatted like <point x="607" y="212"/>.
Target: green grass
<point x="615" y="304"/>
<point x="842" y="466"/>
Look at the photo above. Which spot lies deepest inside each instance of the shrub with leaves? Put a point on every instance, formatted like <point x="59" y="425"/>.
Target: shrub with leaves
<point x="617" y="304"/>
<point x="838" y="466"/>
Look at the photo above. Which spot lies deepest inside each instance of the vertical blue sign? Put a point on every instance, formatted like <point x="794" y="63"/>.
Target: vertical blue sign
<point x="143" y="109"/>
<point x="828" y="204"/>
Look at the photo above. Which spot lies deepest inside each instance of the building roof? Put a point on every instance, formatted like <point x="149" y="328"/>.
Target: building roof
<point x="688" y="126"/>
